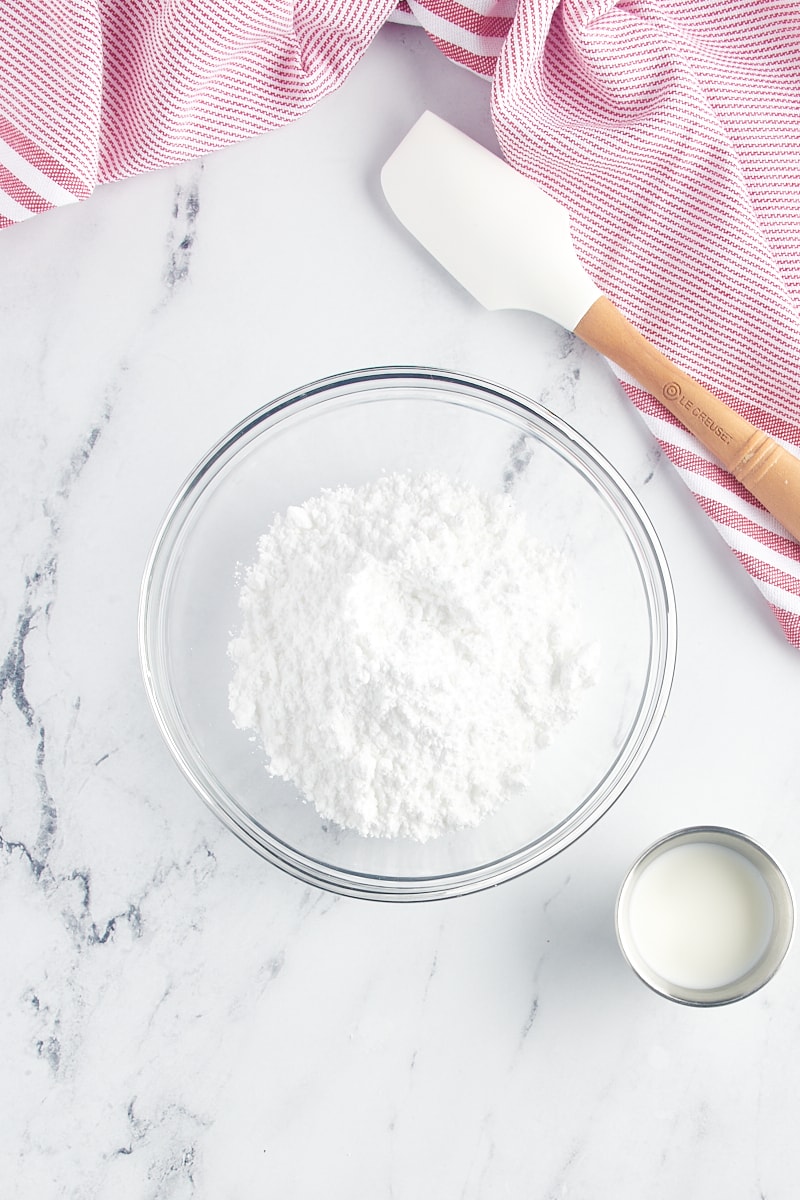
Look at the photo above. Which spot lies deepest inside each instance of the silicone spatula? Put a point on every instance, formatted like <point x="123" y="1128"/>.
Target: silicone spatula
<point x="509" y="244"/>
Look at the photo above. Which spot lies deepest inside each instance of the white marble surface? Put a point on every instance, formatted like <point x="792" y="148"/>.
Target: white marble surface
<point x="179" y="1019"/>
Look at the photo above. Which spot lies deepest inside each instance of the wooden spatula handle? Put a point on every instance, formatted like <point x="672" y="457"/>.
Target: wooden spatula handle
<point x="765" y="468"/>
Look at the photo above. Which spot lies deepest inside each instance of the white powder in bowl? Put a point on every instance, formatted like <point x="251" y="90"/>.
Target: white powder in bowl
<point x="405" y="649"/>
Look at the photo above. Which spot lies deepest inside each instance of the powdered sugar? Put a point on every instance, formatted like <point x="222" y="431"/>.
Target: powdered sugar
<point x="405" y="650"/>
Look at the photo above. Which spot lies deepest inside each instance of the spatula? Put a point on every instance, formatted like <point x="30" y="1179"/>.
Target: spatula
<point x="509" y="244"/>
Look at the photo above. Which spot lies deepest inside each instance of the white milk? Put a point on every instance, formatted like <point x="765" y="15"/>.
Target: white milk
<point x="700" y="915"/>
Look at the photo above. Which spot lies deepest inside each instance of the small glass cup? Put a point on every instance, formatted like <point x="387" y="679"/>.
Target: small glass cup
<point x="778" y="903"/>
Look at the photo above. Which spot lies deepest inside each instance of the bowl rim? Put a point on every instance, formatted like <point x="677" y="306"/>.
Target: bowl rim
<point x="660" y="590"/>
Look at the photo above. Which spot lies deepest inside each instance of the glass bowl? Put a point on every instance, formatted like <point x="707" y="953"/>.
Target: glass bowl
<point x="349" y="429"/>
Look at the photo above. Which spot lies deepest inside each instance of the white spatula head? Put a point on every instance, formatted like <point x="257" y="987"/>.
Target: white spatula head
<point x="503" y="238"/>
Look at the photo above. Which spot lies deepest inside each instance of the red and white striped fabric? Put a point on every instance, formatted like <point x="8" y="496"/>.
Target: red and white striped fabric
<point x="471" y="34"/>
<point x="669" y="128"/>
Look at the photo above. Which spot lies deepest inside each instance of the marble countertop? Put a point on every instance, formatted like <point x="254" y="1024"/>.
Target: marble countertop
<point x="179" y="1018"/>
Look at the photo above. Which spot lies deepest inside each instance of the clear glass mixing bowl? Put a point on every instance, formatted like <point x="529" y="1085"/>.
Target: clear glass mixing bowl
<point x="348" y="430"/>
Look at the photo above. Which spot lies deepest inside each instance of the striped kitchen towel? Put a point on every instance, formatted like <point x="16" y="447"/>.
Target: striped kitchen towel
<point x="669" y="128"/>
